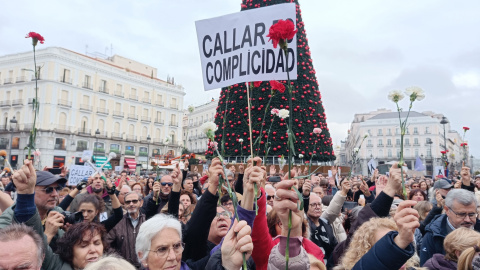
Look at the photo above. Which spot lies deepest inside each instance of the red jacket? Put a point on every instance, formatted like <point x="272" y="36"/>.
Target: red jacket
<point x="263" y="242"/>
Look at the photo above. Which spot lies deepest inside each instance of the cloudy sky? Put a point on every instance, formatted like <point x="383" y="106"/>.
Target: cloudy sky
<point x="361" y="49"/>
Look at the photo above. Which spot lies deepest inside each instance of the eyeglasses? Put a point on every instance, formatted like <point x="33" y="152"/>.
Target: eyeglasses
<point x="132" y="201"/>
<point x="463" y="215"/>
<point x="163" y="251"/>
<point x="269" y="197"/>
<point x="316" y="205"/>
<point x="49" y="190"/>
<point x="165" y="184"/>
<point x="224" y="214"/>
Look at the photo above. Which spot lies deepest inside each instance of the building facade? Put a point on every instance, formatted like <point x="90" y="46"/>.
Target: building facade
<point x="194" y="139"/>
<point x="103" y="105"/>
<point x="424" y="138"/>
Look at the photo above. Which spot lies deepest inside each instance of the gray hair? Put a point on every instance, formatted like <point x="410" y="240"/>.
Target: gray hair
<point x="110" y="262"/>
<point x="152" y="227"/>
<point x="15" y="232"/>
<point x="140" y="197"/>
<point x="127" y="187"/>
<point x="229" y="173"/>
<point x="462" y="196"/>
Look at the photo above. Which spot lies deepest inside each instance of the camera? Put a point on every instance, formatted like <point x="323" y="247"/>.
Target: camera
<point x="72" y="218"/>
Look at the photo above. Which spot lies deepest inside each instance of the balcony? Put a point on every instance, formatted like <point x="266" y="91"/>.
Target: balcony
<point x="389" y="145"/>
<point x="21" y="79"/>
<point x="132" y="116"/>
<point x="146" y="119"/>
<point x="65" y="80"/>
<point x="64" y="103"/>
<point x="33" y="78"/>
<point x="131" y="138"/>
<point x="62" y="129"/>
<point x="416" y="144"/>
<point x="118" y="114"/>
<point x="175" y="107"/>
<point x="119" y="94"/>
<point x="117" y="136"/>
<point x="157" y="141"/>
<point x="85" y="107"/>
<point x="85" y="131"/>
<point x="146" y="100"/>
<point x="143" y="154"/>
<point x="102" y="89"/>
<point x="369" y="145"/>
<point x="5" y="103"/>
<point x="8" y="81"/>
<point x="159" y="121"/>
<point x="160" y="103"/>
<point x="380" y="145"/>
<point x="87" y="85"/>
<point x="173" y="124"/>
<point x="30" y="101"/>
<point x="102" y="111"/>
<point x="133" y="97"/>
<point x="17" y="102"/>
<point x="144" y="139"/>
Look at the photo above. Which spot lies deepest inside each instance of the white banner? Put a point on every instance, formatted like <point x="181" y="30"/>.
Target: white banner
<point x="77" y="173"/>
<point x="372" y="165"/>
<point x="234" y="48"/>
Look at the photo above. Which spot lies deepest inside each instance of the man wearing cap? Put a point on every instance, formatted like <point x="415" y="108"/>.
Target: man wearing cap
<point x="460" y="211"/>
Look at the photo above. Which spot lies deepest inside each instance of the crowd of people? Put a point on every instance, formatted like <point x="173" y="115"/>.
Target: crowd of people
<point x="183" y="219"/>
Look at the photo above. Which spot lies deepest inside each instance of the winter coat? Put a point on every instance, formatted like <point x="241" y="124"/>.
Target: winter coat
<point x="438" y="262"/>
<point x="385" y="255"/>
<point x="298" y="256"/>
<point x="123" y="236"/>
<point x="323" y="236"/>
<point x="215" y="262"/>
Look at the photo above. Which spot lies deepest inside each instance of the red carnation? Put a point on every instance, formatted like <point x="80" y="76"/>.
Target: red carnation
<point x="36" y="37"/>
<point x="280" y="32"/>
<point x="466" y="128"/>
<point x="257" y="84"/>
<point x="463" y="144"/>
<point x="277" y="86"/>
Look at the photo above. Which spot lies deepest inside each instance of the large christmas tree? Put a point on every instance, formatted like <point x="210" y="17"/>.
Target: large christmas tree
<point x="269" y="131"/>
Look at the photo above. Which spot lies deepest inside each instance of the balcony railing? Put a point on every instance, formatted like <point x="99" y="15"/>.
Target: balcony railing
<point x="160" y="103"/>
<point x="133" y="97"/>
<point x="102" y="110"/>
<point x="64" y="103"/>
<point x="17" y="102"/>
<point x="173" y="124"/>
<point x="158" y="141"/>
<point x="380" y="145"/>
<point x="87" y="85"/>
<point x="8" y="81"/>
<point x="119" y="94"/>
<point x="62" y="128"/>
<point x="146" y="119"/>
<point x="66" y="80"/>
<point x="102" y="89"/>
<point x="175" y="107"/>
<point x="5" y="103"/>
<point x="30" y="101"/>
<point x="144" y="139"/>
<point x="33" y="77"/>
<point x="146" y="100"/>
<point x="85" y="107"/>
<point x="132" y="116"/>
<point x="118" y="114"/>
<point x="21" y="79"/>
<point x="84" y="131"/>
<point x="131" y="138"/>
<point x="117" y="135"/>
<point x="369" y="145"/>
<point x="389" y="145"/>
<point x="159" y="121"/>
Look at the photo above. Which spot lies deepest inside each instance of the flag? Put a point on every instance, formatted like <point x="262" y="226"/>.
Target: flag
<point x="372" y="165"/>
<point x="419" y="165"/>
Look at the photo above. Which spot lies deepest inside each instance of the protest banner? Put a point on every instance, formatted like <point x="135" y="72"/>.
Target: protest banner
<point x="77" y="173"/>
<point x="234" y="48"/>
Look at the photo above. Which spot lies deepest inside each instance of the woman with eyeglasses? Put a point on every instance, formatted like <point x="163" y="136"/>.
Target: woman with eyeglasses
<point x="93" y="209"/>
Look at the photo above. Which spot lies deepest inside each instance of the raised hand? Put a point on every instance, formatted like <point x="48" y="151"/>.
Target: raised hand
<point x="25" y="178"/>
<point x="345" y="187"/>
<point x="465" y="173"/>
<point x="407" y="221"/>
<point x="273" y="170"/>
<point x="394" y="181"/>
<point x="307" y="187"/>
<point x="156" y="190"/>
<point x="253" y="174"/>
<point x="334" y="170"/>
<point x="214" y="171"/>
<point x="232" y="169"/>
<point x="286" y="199"/>
<point x="236" y="242"/>
<point x="177" y="178"/>
<point x="380" y="184"/>
<point x="53" y="222"/>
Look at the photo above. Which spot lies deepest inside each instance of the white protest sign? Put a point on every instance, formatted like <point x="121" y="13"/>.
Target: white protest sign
<point x="77" y="173"/>
<point x="118" y="168"/>
<point x="234" y="48"/>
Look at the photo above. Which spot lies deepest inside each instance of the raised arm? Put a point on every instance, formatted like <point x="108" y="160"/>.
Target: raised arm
<point x="335" y="207"/>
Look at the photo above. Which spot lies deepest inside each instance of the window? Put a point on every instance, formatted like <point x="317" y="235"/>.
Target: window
<point x="130" y="150"/>
<point x="389" y="153"/>
<point x="133" y="92"/>
<point x="415" y="141"/>
<point x="389" y="141"/>
<point x="397" y="131"/>
<point x="397" y="142"/>
<point x="415" y="130"/>
<point x="398" y="153"/>
<point x="369" y="143"/>
<point x="389" y="131"/>
<point x="143" y="151"/>
<point x="3" y="143"/>
<point x="98" y="147"/>
<point x="380" y="142"/>
<point x="427" y="130"/>
<point x="429" y="152"/>
<point x="118" y="107"/>
<point x="82" y="145"/>
<point x="115" y="148"/>
<point x="145" y="112"/>
<point x="103" y="85"/>
<point x="66" y="75"/>
<point x="103" y="103"/>
<point x="156" y="152"/>
<point x="407" y="142"/>
<point x="416" y="153"/>
<point x="87" y="80"/>
<point x="15" y="142"/>
<point x="369" y="132"/>
<point x="60" y="144"/>
<point x="379" y="132"/>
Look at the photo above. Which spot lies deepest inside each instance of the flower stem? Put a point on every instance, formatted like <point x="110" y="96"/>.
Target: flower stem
<point x="287" y="250"/>
<point x="36" y="105"/>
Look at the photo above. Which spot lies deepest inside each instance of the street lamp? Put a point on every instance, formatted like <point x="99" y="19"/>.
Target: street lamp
<point x="444" y="121"/>
<point x="13" y="124"/>
<point x="148" y="154"/>
<point x="97" y="132"/>
<point x="430" y="142"/>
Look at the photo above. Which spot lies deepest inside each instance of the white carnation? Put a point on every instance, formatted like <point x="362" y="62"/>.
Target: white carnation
<point x="283" y="113"/>
<point x="240" y="140"/>
<point x="207" y="126"/>
<point x="366" y="135"/>
<point x="300" y="156"/>
<point x="356" y="149"/>
<point x="395" y="95"/>
<point x="415" y="93"/>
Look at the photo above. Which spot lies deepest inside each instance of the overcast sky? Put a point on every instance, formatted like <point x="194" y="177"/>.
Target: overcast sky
<point x="361" y="49"/>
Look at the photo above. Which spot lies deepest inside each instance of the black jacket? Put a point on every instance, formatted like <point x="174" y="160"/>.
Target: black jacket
<point x="324" y="237"/>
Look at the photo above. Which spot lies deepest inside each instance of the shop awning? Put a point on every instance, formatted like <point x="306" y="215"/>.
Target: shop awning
<point x="100" y="160"/>
<point x="131" y="163"/>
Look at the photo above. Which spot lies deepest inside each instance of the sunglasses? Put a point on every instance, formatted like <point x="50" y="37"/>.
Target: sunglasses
<point x="269" y="197"/>
<point x="165" y="184"/>
<point x="49" y="190"/>
<point x="132" y="201"/>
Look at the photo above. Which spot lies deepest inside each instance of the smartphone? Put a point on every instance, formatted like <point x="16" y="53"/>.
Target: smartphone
<point x="55" y="170"/>
<point x="274" y="179"/>
<point x="362" y="196"/>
